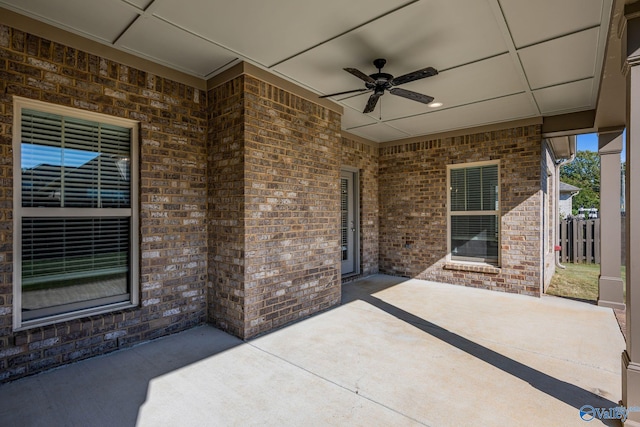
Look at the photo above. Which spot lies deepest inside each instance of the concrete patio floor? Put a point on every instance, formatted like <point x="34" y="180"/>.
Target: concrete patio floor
<point x="397" y="352"/>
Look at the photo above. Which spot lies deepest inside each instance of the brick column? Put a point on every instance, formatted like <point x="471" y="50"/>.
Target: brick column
<point x="274" y="206"/>
<point x="631" y="356"/>
<point x="610" y="286"/>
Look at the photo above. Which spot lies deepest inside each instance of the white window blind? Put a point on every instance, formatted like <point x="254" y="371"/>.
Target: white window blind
<point x="76" y="217"/>
<point x="474" y="188"/>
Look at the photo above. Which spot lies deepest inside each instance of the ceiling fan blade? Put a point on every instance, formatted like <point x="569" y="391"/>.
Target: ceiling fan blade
<point x="416" y="75"/>
<point x="373" y="100"/>
<point x="415" y="96"/>
<point x="359" y="74"/>
<point x="344" y="93"/>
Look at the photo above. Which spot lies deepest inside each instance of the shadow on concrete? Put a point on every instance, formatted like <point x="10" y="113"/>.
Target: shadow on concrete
<point x="566" y="392"/>
<point x="107" y="390"/>
<point x="561" y="390"/>
<point x="586" y="301"/>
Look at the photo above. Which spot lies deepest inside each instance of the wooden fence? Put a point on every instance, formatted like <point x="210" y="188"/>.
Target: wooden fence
<point x="580" y="241"/>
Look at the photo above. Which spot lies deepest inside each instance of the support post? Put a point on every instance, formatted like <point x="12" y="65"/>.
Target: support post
<point x="631" y="356"/>
<point x="610" y="285"/>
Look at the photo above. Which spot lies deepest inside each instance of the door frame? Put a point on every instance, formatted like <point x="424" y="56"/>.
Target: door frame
<point x="355" y="181"/>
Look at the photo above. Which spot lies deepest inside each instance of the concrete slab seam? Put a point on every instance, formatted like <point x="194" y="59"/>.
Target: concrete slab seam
<point x="338" y="385"/>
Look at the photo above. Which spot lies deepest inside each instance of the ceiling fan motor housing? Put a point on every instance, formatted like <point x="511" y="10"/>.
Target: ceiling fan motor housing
<point x="381" y="78"/>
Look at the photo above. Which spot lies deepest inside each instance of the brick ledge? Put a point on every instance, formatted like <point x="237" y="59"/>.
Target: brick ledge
<point x="477" y="268"/>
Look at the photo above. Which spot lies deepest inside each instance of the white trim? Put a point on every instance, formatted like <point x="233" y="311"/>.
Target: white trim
<point x="50" y="320"/>
<point x="19" y="212"/>
<point x="355" y="178"/>
<point x="17" y="215"/>
<point x="496" y="212"/>
<point x="473" y="165"/>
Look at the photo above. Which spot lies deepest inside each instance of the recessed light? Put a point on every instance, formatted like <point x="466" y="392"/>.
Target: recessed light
<point x="435" y="104"/>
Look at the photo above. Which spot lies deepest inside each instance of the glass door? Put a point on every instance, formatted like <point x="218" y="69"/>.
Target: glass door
<point x="349" y="222"/>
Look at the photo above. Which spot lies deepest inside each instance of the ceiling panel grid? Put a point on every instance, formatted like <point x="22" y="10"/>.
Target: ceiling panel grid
<point x="498" y="60"/>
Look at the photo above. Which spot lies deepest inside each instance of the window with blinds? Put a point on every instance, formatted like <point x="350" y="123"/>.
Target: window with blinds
<point x="474" y="212"/>
<point x="75" y="211"/>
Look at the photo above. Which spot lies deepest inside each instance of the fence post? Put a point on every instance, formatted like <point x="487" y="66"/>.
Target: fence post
<point x="577" y="249"/>
<point x="565" y="241"/>
<point x="596" y="241"/>
<point x="588" y="238"/>
<point x="561" y="240"/>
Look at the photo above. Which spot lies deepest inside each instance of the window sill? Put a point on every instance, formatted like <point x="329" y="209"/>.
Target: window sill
<point x="473" y="267"/>
<point x="51" y="320"/>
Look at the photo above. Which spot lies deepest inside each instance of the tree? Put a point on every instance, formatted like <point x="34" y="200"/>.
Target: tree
<point x="584" y="173"/>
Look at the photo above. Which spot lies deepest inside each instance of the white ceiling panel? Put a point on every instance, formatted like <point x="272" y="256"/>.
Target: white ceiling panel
<point x="379" y="132"/>
<point x="492" y="78"/>
<point x="167" y="44"/>
<point x="561" y="60"/>
<point x="140" y="4"/>
<point x="321" y="69"/>
<point x="531" y="22"/>
<point x="268" y="31"/>
<point x="493" y="111"/>
<point x="442" y="34"/>
<point x="354" y="118"/>
<point x="107" y="20"/>
<point x="565" y="98"/>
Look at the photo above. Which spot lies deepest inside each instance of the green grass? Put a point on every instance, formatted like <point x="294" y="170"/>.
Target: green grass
<point x="73" y="282"/>
<point x="70" y="271"/>
<point x="579" y="281"/>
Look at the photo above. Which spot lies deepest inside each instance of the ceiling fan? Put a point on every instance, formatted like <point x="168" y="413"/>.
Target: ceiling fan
<point x="379" y="82"/>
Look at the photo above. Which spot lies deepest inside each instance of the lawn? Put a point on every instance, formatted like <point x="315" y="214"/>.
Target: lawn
<point x="46" y="273"/>
<point x="578" y="281"/>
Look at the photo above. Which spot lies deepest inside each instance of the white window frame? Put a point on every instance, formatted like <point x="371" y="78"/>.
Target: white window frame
<point x="19" y="212"/>
<point x="496" y="212"/>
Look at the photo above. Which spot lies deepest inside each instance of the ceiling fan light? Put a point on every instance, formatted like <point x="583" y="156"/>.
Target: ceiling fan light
<point x="435" y="105"/>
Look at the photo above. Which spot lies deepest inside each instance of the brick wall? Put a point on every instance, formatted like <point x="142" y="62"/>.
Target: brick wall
<point x="172" y="194"/>
<point x="413" y="211"/>
<point x="287" y="152"/>
<point x="226" y="199"/>
<point x="364" y="157"/>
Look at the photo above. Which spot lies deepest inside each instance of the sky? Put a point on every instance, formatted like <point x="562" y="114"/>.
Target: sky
<point x="589" y="142"/>
<point x="34" y="155"/>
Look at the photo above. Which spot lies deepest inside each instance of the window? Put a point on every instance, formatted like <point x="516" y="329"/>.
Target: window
<point x="75" y="213"/>
<point x="474" y="212"/>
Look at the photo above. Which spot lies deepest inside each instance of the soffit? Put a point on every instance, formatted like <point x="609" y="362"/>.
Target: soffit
<point x="499" y="60"/>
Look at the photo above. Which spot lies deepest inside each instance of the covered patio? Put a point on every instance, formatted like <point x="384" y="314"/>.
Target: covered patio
<point x="256" y="178"/>
<point x="397" y="351"/>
